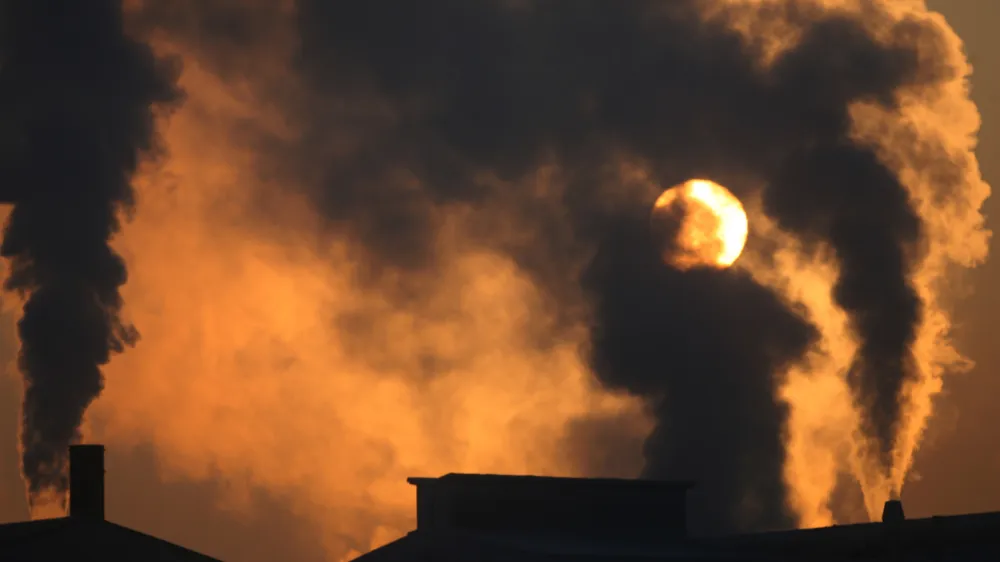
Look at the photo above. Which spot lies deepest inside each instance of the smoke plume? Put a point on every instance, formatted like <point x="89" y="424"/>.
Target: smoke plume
<point x="835" y="190"/>
<point x="423" y="229"/>
<point x="660" y="334"/>
<point x="504" y="88"/>
<point x="77" y="112"/>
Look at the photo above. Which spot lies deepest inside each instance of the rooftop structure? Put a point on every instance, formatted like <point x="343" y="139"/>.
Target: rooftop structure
<point x="85" y="534"/>
<point x="488" y="518"/>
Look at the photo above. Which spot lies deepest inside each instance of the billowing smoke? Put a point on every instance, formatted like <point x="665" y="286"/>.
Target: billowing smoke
<point x="77" y="97"/>
<point x="834" y="189"/>
<point x="506" y="87"/>
<point x="682" y="339"/>
<point x="542" y="131"/>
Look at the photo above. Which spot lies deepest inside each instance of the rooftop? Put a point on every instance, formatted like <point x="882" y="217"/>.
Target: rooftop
<point x="926" y="535"/>
<point x="85" y="534"/>
<point x="69" y="538"/>
<point x="634" y="510"/>
<point x="525" y="518"/>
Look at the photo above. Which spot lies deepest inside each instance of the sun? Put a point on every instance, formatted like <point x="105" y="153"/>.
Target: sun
<point x="699" y="223"/>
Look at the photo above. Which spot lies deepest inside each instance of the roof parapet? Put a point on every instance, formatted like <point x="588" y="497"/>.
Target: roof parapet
<point x="598" y="508"/>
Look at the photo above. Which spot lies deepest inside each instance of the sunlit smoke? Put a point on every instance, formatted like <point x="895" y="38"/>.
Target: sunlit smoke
<point x="932" y="149"/>
<point x="823" y="429"/>
<point x="928" y="138"/>
<point x="286" y="368"/>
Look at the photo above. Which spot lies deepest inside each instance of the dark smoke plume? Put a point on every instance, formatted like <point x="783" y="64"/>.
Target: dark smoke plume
<point x="834" y="190"/>
<point x="705" y="346"/>
<point x="77" y="96"/>
<point x="450" y="89"/>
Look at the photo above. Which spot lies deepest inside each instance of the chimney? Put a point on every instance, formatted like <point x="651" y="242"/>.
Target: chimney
<point x="892" y="512"/>
<point x="86" y="482"/>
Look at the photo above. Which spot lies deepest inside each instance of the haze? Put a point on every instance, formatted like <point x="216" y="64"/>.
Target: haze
<point x="234" y="505"/>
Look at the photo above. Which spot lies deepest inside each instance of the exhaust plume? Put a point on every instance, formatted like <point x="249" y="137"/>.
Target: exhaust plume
<point x="835" y="190"/>
<point x="77" y="99"/>
<point x="678" y="337"/>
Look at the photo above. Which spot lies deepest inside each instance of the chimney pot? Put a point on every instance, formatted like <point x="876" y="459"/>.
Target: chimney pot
<point x="86" y="481"/>
<point x="892" y="512"/>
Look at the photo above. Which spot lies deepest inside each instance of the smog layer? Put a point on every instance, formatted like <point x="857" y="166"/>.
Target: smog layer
<point x="388" y="238"/>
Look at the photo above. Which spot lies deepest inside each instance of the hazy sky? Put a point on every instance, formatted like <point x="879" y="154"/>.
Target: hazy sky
<point x="955" y="471"/>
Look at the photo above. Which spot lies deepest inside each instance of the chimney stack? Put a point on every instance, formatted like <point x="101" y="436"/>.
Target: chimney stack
<point x="86" y="482"/>
<point x="892" y="512"/>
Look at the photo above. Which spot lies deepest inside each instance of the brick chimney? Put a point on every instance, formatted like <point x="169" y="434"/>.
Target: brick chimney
<point x="86" y="481"/>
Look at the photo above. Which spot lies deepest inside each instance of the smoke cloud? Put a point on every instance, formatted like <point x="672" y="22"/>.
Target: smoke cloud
<point x="423" y="246"/>
<point x="660" y="334"/>
<point x="504" y="88"/>
<point x="77" y="111"/>
<point x="834" y="190"/>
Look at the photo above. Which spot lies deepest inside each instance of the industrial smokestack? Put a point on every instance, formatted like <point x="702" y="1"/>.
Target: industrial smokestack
<point x="86" y="481"/>
<point x="892" y="512"/>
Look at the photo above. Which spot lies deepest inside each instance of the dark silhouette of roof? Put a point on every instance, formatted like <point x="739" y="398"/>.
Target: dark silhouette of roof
<point x="490" y="518"/>
<point x="931" y="537"/>
<point x="85" y="534"/>
<point x="480" y="547"/>
<point x="549" y="482"/>
<point x="563" y="507"/>
<point x="73" y="538"/>
<point x="487" y="517"/>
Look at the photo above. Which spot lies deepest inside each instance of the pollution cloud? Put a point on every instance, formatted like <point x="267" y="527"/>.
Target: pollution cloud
<point x="506" y="87"/>
<point x="538" y="133"/>
<point x="78" y="99"/>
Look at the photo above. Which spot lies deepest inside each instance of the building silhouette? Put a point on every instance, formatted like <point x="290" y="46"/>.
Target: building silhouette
<point x="496" y="518"/>
<point x="85" y="534"/>
<point x="489" y="518"/>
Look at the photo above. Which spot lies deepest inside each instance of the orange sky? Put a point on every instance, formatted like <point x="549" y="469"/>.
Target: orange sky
<point x="955" y="469"/>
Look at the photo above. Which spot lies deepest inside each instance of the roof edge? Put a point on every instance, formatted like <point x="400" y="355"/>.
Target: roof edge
<point x="419" y="480"/>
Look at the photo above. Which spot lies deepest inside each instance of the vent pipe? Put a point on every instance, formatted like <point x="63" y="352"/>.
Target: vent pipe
<point x="86" y="482"/>
<point x="892" y="512"/>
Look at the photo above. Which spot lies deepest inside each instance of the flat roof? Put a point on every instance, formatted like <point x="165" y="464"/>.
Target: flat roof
<point x="466" y="478"/>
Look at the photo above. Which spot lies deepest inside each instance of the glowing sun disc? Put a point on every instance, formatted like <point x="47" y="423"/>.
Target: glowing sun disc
<point x="700" y="223"/>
